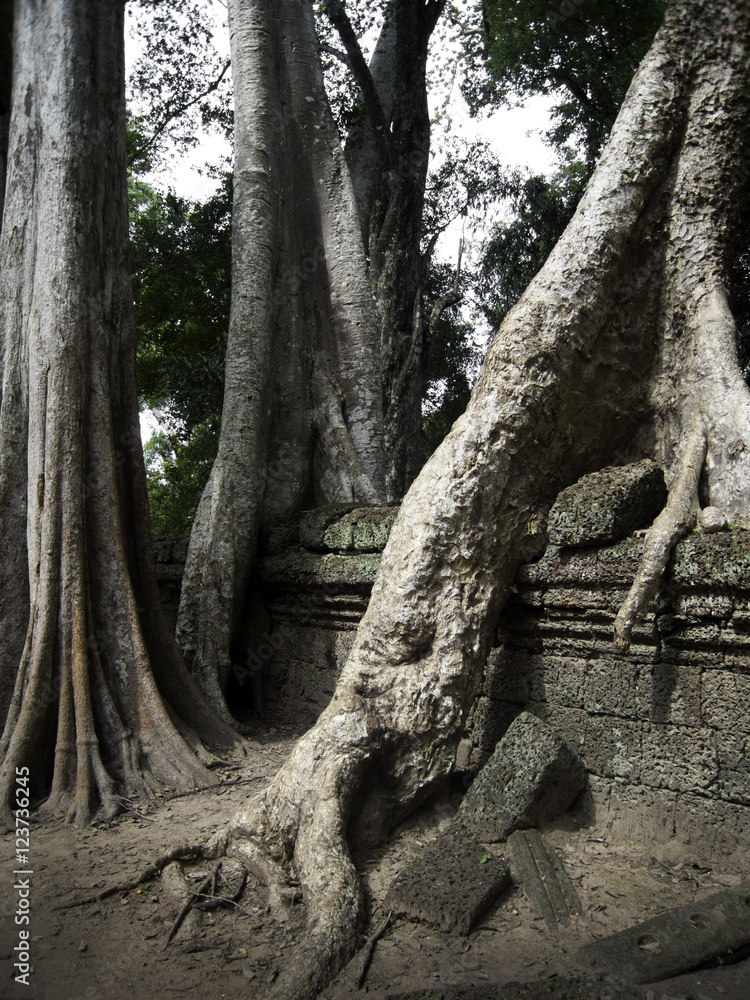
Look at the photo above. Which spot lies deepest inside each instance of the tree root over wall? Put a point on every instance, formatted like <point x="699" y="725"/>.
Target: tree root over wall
<point x="622" y="343"/>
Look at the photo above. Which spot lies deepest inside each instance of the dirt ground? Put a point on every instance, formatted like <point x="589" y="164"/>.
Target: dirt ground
<point x="115" y="949"/>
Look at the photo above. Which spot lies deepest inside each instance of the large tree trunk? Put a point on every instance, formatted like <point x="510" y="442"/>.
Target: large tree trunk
<point x="86" y="659"/>
<point x="302" y="420"/>
<point x="388" y="155"/>
<point x="623" y="345"/>
<point x="329" y="341"/>
<point x="6" y="69"/>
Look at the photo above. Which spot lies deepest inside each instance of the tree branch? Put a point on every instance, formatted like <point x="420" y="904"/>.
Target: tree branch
<point x="450" y="298"/>
<point x="342" y="57"/>
<point x="361" y="71"/>
<point x="174" y="113"/>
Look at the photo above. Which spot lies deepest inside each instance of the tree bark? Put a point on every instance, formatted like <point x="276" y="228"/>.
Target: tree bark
<point x="302" y="420"/>
<point x="86" y="659"/>
<point x="6" y="70"/>
<point x="620" y="348"/>
<point x="389" y="159"/>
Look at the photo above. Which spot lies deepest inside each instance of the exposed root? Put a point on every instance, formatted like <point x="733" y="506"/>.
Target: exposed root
<point x="672" y="524"/>
<point x="283" y="892"/>
<point x="176" y="854"/>
<point x="213" y="902"/>
<point x="208" y="882"/>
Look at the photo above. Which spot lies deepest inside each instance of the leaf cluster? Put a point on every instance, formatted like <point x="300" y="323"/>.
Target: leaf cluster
<point x="540" y="209"/>
<point x="180" y="85"/>
<point x="181" y="260"/>
<point x="453" y="364"/>
<point x="584" y="52"/>
<point x="176" y="474"/>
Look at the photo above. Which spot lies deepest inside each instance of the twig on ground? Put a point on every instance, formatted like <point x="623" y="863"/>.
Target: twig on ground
<point x="190" y="949"/>
<point x="207" y="788"/>
<point x="215" y="901"/>
<point x="127" y="805"/>
<point x="368" y="948"/>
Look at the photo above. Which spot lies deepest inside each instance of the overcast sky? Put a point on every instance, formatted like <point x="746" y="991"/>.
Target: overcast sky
<point x="515" y="133"/>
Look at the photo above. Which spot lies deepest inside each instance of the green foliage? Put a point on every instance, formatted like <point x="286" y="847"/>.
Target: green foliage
<point x="181" y="258"/>
<point x="453" y="363"/>
<point x="515" y="250"/>
<point x="176" y="473"/>
<point x="583" y="51"/>
<point x="180" y="86"/>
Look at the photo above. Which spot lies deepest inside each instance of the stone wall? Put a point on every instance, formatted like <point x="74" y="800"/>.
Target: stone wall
<point x="664" y="731"/>
<point x="170" y="552"/>
<point x="312" y="585"/>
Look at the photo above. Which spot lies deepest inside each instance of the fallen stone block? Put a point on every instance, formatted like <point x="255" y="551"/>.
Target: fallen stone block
<point x="544" y="880"/>
<point x="676" y="941"/>
<point x="531" y="777"/>
<point x="451" y="884"/>
<point x="608" y="505"/>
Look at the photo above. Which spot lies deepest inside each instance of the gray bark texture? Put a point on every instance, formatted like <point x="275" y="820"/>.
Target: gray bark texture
<point x="388" y="155"/>
<point x="329" y="342"/>
<point x="302" y="419"/>
<point x="621" y="348"/>
<point x="96" y="701"/>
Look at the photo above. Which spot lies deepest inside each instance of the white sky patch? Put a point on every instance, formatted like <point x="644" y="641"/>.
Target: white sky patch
<point x="516" y="137"/>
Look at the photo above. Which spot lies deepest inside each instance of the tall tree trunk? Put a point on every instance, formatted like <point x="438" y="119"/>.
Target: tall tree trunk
<point x="623" y="343"/>
<point x="388" y="155"/>
<point x="302" y="419"/>
<point x="6" y="70"/>
<point x="86" y="660"/>
<point x="398" y="265"/>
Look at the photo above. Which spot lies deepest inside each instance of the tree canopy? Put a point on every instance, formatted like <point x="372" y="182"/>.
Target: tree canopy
<point x="591" y="52"/>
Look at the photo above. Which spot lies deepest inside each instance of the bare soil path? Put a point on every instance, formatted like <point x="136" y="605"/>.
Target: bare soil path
<point x="115" y="949"/>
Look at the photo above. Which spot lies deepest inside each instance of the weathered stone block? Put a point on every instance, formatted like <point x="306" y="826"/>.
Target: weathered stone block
<point x="279" y="536"/>
<point x="564" y="681"/>
<point x="451" y="884"/>
<point x="608" y="505"/>
<point x="669" y="693"/>
<point x="545" y="882"/>
<point x="514" y="676"/>
<point x="724" y="701"/>
<point x="677" y="940"/>
<point x="371" y="529"/>
<point x="610" y="686"/>
<point x="704" y="605"/>
<point x="713" y="561"/>
<point x="313" y="569"/>
<point x="577" y="598"/>
<point x="609" y="566"/>
<point x="677" y="758"/>
<point x="610" y="747"/>
<point x="490" y="720"/>
<point x="346" y="528"/>
<point x="314" y="524"/>
<point x="531" y="777"/>
<point x="632" y="811"/>
<point x="733" y="751"/>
